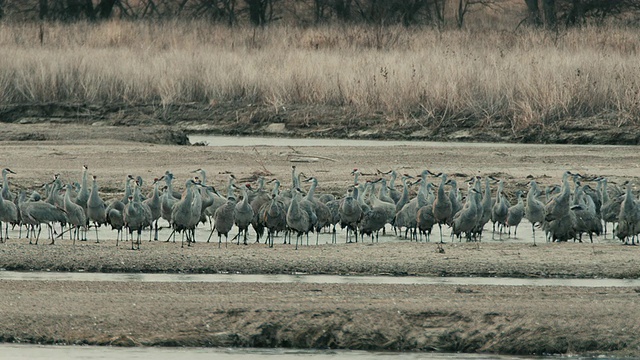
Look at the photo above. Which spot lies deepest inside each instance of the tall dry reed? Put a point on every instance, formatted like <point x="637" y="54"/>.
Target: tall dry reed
<point x="527" y="76"/>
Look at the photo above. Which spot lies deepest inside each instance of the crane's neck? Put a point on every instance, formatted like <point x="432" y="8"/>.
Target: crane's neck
<point x="245" y="196"/>
<point x="392" y="181"/>
<point x="94" y="190"/>
<point x="294" y="178"/>
<point x="312" y="189"/>
<point x="5" y="182"/>
<point x="276" y="188"/>
<point x="156" y="193"/>
<point x="84" y="179"/>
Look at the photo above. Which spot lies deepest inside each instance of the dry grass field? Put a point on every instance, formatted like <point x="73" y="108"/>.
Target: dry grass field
<point x="527" y="81"/>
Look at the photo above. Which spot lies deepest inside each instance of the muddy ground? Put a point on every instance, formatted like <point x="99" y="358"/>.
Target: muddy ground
<point x="168" y="124"/>
<point x="496" y="319"/>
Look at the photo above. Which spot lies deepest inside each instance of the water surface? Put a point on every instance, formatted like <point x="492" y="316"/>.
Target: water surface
<point x="313" y="279"/>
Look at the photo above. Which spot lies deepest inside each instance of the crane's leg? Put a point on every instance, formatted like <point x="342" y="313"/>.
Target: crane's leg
<point x="533" y="229"/>
<point x="440" y="226"/>
<point x="95" y="224"/>
<point x="172" y="233"/>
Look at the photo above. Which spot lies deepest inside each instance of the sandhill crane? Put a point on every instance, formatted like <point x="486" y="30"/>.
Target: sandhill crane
<point x="54" y="197"/>
<point x="383" y="194"/>
<point x="224" y="219"/>
<point x="629" y="216"/>
<point x="273" y="215"/>
<point x="262" y="197"/>
<point x="456" y="205"/>
<point x="500" y="210"/>
<point x="155" y="205"/>
<point x="196" y="209"/>
<point x="96" y="208"/>
<point x="350" y="212"/>
<point x="135" y="218"/>
<point x="181" y="213"/>
<point x="442" y="208"/>
<point x="218" y="199"/>
<point x="376" y="217"/>
<point x="534" y="210"/>
<point x="515" y="214"/>
<point x="334" y="209"/>
<point x="404" y="197"/>
<point x="167" y="199"/>
<point x="425" y="220"/>
<point x="388" y="206"/>
<point x="610" y="206"/>
<point x="243" y="214"/>
<point x="34" y="213"/>
<point x="6" y="193"/>
<point x="486" y="204"/>
<point x="320" y="209"/>
<point x="560" y="221"/>
<point x="114" y="216"/>
<point x="8" y="214"/>
<point x="83" y="194"/>
<point x="586" y="218"/>
<point x="127" y="189"/>
<point x="393" y="192"/>
<point x="298" y="218"/>
<point x="465" y="220"/>
<point x="75" y="214"/>
<point x="373" y="220"/>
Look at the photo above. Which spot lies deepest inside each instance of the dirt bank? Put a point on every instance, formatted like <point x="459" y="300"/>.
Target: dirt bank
<point x="491" y="319"/>
<point x="168" y="124"/>
<point x="568" y="260"/>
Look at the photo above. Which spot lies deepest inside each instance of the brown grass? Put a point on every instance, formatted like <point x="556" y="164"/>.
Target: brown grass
<point x="531" y="78"/>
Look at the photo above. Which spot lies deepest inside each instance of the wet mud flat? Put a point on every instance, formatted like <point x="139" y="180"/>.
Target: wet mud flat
<point x="398" y="317"/>
<point x="547" y="260"/>
<point x="491" y="319"/>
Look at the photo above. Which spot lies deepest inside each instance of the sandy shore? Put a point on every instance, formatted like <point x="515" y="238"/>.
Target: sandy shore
<point x="495" y="319"/>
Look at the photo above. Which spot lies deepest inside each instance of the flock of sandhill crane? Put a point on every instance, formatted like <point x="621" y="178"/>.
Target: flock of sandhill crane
<point x="366" y="208"/>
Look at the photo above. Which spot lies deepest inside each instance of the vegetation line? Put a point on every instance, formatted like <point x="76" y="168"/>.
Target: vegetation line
<point x="422" y="76"/>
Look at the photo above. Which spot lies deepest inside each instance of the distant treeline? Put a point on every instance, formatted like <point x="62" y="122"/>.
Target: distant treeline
<point x="438" y="13"/>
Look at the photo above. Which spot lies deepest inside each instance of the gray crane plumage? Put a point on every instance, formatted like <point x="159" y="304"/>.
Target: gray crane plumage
<point x="6" y="192"/>
<point x="34" y="213"/>
<point x="442" y="208"/>
<point x="243" y="214"/>
<point x="114" y="215"/>
<point x="75" y="213"/>
<point x="466" y="220"/>
<point x="273" y="216"/>
<point x="154" y="202"/>
<point x="350" y="212"/>
<point x="534" y="209"/>
<point x="298" y="218"/>
<point x="515" y="214"/>
<point x="500" y="210"/>
<point x="8" y="214"/>
<point x="96" y="208"/>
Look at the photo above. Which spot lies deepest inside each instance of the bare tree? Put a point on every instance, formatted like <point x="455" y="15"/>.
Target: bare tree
<point x="465" y="6"/>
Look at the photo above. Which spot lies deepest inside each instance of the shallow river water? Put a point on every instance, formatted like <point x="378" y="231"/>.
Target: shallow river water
<point x="35" y="352"/>
<point x="313" y="279"/>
